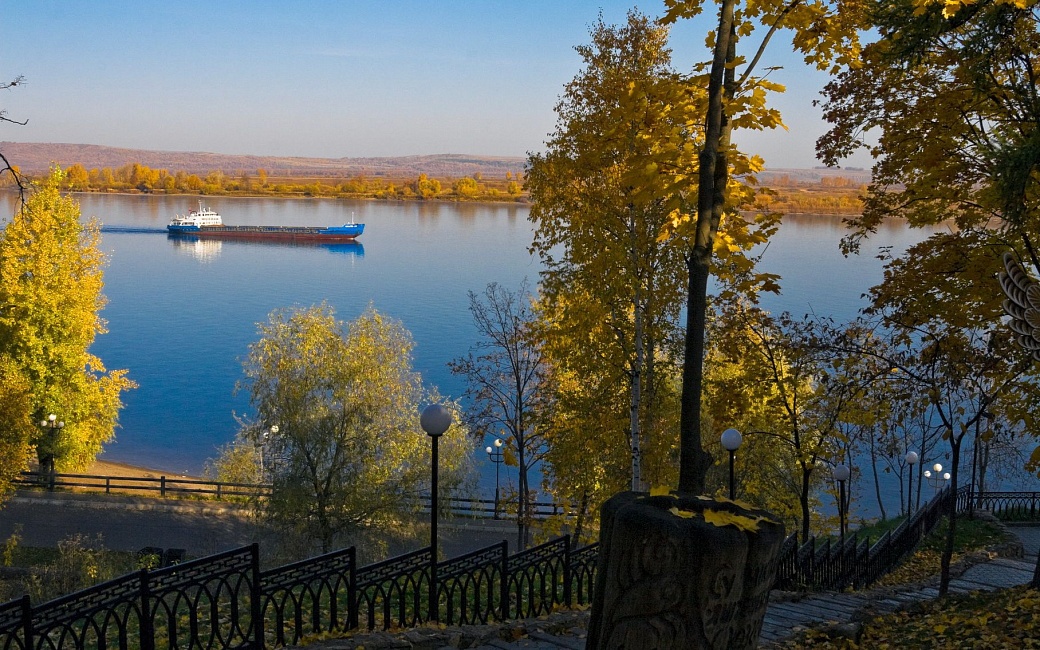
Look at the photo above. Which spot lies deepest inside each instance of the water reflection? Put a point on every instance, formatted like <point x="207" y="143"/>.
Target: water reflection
<point x="206" y="249"/>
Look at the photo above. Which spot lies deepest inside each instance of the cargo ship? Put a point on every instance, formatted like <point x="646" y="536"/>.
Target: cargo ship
<point x="204" y="222"/>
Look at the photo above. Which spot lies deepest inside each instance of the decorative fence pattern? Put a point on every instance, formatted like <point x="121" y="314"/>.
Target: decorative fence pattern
<point x="224" y="601"/>
<point x="1011" y="506"/>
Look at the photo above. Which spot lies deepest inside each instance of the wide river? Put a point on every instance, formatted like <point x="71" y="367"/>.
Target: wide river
<point x="181" y="315"/>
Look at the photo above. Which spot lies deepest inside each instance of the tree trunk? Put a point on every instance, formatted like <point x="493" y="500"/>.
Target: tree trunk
<point x="951" y="513"/>
<point x="694" y="461"/>
<point x="803" y="500"/>
<point x="636" y="397"/>
<point x="877" y="480"/>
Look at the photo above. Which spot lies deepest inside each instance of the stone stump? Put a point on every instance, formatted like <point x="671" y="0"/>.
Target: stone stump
<point x="681" y="572"/>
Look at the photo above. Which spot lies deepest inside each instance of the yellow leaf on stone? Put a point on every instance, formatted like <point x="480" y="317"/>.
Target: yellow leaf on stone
<point x="722" y="518"/>
<point x="685" y="514"/>
<point x="660" y="491"/>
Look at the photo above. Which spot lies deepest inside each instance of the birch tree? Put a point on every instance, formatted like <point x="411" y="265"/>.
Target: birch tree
<point x="611" y="291"/>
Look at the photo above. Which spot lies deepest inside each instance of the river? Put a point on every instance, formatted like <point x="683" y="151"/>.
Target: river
<point x="182" y="314"/>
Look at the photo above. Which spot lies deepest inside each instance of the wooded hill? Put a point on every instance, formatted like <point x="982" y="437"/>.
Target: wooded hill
<point x="34" y="158"/>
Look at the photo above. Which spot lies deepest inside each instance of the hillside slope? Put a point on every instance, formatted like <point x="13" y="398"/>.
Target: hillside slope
<point x="37" y="157"/>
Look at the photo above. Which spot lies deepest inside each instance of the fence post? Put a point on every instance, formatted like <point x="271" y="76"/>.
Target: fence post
<point x="503" y="592"/>
<point x="27" y="626"/>
<point x="108" y="485"/>
<point x="162" y="486"/>
<point x="567" y="572"/>
<point x="352" y="605"/>
<point x="147" y="622"/>
<point x="256" y="596"/>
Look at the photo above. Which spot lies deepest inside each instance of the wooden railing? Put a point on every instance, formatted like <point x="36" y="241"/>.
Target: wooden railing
<point x="165" y="486"/>
<point x="173" y="487"/>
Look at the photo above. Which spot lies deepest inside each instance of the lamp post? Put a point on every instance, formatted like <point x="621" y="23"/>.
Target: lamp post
<point x="271" y="431"/>
<point x="911" y="460"/>
<point x="495" y="455"/>
<point x="52" y="425"/>
<point x="731" y="440"/>
<point x="841" y="474"/>
<point x="435" y="420"/>
<point x="936" y="477"/>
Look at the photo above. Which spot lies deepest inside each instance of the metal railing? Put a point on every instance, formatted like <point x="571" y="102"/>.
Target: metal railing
<point x="225" y="601"/>
<point x="857" y="563"/>
<point x="1010" y="506"/>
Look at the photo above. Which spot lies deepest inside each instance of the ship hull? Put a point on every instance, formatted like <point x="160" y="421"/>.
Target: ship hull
<point x="347" y="233"/>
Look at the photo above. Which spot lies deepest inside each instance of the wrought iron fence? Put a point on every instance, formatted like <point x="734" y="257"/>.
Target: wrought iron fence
<point x="857" y="563"/>
<point x="1010" y="506"/>
<point x="224" y="601"/>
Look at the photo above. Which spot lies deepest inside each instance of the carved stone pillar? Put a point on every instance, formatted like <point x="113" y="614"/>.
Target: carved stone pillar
<point x="682" y="572"/>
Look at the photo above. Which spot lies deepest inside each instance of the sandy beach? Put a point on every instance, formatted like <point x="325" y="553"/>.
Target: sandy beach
<point x="109" y="468"/>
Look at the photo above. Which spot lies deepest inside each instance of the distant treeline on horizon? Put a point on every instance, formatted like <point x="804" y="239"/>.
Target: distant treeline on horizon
<point x="782" y="192"/>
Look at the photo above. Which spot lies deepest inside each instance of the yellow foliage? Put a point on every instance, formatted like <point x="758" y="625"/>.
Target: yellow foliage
<point x="725" y="518"/>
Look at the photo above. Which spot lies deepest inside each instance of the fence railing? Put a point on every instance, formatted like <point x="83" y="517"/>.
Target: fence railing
<point x="173" y="487"/>
<point x="163" y="486"/>
<point x="225" y="601"/>
<point x="857" y="563"/>
<point x="1010" y="506"/>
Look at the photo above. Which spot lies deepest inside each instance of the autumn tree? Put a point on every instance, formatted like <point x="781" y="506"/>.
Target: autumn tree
<point x="348" y="451"/>
<point x="949" y="93"/>
<point x="16" y="426"/>
<point x="51" y="277"/>
<point x="825" y="33"/>
<point x="944" y="336"/>
<point x="779" y="379"/>
<point x="77" y="178"/>
<point x="426" y="187"/>
<point x="611" y="289"/>
<point x="465" y="188"/>
<point x="505" y="384"/>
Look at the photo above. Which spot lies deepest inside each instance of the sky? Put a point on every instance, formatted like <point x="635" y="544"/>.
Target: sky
<point x="331" y="79"/>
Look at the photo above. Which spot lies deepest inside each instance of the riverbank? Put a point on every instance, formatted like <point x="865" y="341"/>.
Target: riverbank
<point x="124" y="470"/>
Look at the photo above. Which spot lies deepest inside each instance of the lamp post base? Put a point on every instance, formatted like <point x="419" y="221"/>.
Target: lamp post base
<point x="682" y="571"/>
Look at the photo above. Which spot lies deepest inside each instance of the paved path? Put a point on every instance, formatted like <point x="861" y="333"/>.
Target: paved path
<point x="784" y="618"/>
<point x="201" y="528"/>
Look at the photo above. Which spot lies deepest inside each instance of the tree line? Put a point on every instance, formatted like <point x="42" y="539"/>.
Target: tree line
<point x="135" y="177"/>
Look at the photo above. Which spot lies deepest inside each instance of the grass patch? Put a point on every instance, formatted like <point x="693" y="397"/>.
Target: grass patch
<point x="971" y="535"/>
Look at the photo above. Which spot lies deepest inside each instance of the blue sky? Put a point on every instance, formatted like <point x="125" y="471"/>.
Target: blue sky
<point x="329" y="79"/>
